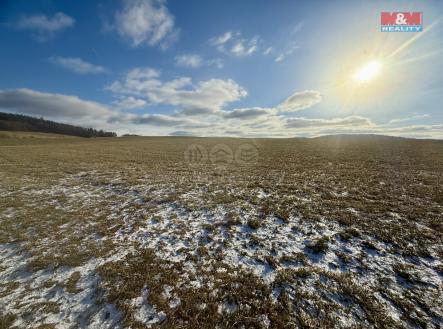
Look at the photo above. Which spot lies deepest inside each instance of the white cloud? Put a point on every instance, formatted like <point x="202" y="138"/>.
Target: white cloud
<point x="145" y="22"/>
<point x="45" y="27"/>
<point x="222" y="39"/>
<point x="195" y="61"/>
<point x="248" y="113"/>
<point x="267" y="51"/>
<point x="285" y="54"/>
<point x="142" y="73"/>
<point x="129" y="103"/>
<point x="74" y="110"/>
<point x="235" y="45"/>
<point x="414" y="131"/>
<point x="217" y="62"/>
<point x="189" y="60"/>
<point x="207" y="96"/>
<point x="417" y="129"/>
<point x="350" y="121"/>
<point x="280" y="58"/>
<point x="244" y="47"/>
<point x="262" y="122"/>
<point x="411" y="118"/>
<point x="77" y="65"/>
<point x="290" y="45"/>
<point x="158" y="120"/>
<point x="300" y="100"/>
<point x="49" y="105"/>
<point x="246" y="122"/>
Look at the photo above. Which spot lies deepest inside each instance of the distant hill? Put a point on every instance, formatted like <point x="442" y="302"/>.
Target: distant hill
<point x="361" y="137"/>
<point x="18" y="122"/>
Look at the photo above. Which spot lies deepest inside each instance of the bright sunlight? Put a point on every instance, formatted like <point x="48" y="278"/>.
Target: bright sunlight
<point x="368" y="72"/>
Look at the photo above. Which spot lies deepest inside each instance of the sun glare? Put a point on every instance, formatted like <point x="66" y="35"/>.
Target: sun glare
<point x="368" y="72"/>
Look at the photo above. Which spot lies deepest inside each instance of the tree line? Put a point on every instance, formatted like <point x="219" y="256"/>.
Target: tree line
<point x="19" y="122"/>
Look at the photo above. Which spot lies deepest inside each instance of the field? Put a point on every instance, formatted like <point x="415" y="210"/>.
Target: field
<point x="181" y="232"/>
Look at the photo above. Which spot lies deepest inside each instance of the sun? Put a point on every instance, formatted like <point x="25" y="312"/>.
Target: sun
<point x="368" y="72"/>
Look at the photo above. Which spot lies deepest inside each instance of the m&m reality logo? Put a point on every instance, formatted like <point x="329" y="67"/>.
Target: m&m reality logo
<point x="401" y="21"/>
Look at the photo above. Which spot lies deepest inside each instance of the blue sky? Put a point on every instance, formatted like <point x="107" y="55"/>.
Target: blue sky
<point x="226" y="68"/>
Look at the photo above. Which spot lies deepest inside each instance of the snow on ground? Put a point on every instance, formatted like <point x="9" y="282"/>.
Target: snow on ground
<point x="329" y="265"/>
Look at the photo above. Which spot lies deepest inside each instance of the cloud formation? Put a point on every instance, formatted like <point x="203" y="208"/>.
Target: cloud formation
<point x="242" y="122"/>
<point x="56" y="106"/>
<point x="195" y="61"/>
<point x="410" y="118"/>
<point x="190" y="98"/>
<point x="157" y="120"/>
<point x="300" y="100"/>
<point x="290" y="46"/>
<point x="247" y="113"/>
<point x="129" y="103"/>
<point x="350" y="121"/>
<point x="44" y="27"/>
<point x="77" y="65"/>
<point x="189" y="60"/>
<point x="235" y="45"/>
<point x="145" y="22"/>
<point x="285" y="54"/>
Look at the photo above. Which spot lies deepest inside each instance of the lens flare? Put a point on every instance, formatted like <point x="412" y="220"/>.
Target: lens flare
<point x="368" y="72"/>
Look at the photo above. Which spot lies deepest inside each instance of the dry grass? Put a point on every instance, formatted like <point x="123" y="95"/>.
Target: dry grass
<point x="71" y="284"/>
<point x="312" y="214"/>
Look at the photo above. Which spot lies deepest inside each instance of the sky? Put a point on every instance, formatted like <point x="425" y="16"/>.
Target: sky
<point x="249" y="68"/>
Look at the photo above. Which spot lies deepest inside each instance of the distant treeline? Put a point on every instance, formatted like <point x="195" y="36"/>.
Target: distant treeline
<point x="18" y="122"/>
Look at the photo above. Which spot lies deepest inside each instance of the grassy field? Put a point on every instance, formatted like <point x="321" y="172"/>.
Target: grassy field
<point x="181" y="232"/>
